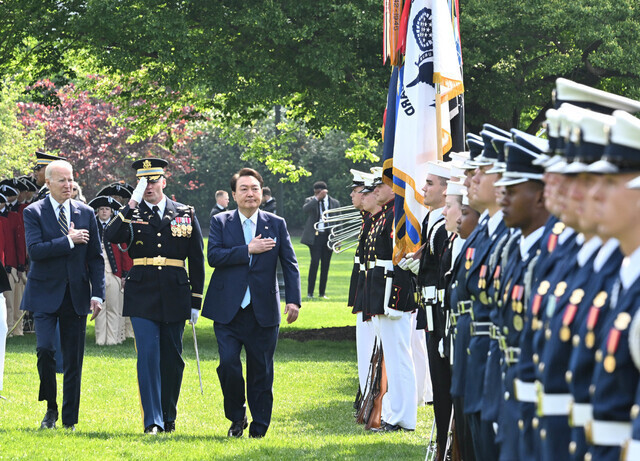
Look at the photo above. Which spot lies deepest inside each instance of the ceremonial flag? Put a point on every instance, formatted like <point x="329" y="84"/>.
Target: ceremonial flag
<point x="391" y="28"/>
<point x="430" y="77"/>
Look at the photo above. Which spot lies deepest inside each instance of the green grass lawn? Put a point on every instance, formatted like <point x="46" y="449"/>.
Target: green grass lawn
<point x="315" y="383"/>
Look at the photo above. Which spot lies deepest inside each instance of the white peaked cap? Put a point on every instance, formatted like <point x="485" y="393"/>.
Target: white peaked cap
<point x="439" y="168"/>
<point x="595" y="127"/>
<point x="626" y="130"/>
<point x="456" y="188"/>
<point x="553" y="123"/>
<point x="568" y="90"/>
<point x="358" y="175"/>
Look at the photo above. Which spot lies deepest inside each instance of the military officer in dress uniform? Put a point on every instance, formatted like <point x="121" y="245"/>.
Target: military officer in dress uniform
<point x="631" y="448"/>
<point x="365" y="336"/>
<point x="159" y="294"/>
<point x="431" y="317"/>
<point x="117" y="263"/>
<point x="120" y="191"/>
<point x="615" y="378"/>
<point x="42" y="160"/>
<point x="390" y="301"/>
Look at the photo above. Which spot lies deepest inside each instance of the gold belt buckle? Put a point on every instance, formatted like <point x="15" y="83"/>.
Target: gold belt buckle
<point x="159" y="261"/>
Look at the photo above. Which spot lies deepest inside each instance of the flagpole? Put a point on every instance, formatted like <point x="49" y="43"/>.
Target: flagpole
<point x="438" y="122"/>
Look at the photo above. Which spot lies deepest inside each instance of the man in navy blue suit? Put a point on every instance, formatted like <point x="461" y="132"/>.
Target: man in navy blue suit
<point x="66" y="282"/>
<point x="244" y="302"/>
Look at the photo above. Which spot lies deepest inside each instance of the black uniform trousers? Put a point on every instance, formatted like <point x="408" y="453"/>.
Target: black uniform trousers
<point x="73" y="328"/>
<point x="320" y="254"/>
<point x="260" y="344"/>
<point x="440" y="372"/>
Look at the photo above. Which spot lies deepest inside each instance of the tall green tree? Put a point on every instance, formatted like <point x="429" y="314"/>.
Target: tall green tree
<point x="514" y="50"/>
<point x="17" y="143"/>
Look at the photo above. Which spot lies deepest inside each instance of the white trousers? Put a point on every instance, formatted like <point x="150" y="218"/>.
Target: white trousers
<point x="109" y="322"/>
<point x="400" y="403"/>
<point x="3" y="336"/>
<point x="365" y="338"/>
<point x="421" y="363"/>
<point x="13" y="311"/>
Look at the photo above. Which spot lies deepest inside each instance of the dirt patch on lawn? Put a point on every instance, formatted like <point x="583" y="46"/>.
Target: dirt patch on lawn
<point x="322" y="334"/>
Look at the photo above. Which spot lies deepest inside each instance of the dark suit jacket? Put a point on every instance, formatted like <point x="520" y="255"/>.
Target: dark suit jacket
<point x="270" y="206"/>
<point x="229" y="255"/>
<point x="215" y="210"/>
<point x="312" y="209"/>
<point x="54" y="264"/>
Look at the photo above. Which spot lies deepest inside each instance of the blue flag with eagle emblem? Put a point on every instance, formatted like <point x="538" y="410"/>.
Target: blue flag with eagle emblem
<point x="431" y="58"/>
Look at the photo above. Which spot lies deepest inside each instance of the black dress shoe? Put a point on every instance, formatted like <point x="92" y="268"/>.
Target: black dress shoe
<point x="256" y="436"/>
<point x="386" y="427"/>
<point x="69" y="427"/>
<point x="49" y="421"/>
<point x="153" y="429"/>
<point x="169" y="426"/>
<point x="237" y="428"/>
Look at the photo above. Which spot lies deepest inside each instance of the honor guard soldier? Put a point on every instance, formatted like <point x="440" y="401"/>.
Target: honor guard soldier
<point x="42" y="160"/>
<point x="390" y="300"/>
<point x="159" y="294"/>
<point x="615" y="378"/>
<point x="365" y="336"/>
<point x="121" y="192"/>
<point x="631" y="448"/>
<point x="14" y="254"/>
<point x="117" y="263"/>
<point x="523" y="208"/>
<point x="476" y="257"/>
<point x="427" y="268"/>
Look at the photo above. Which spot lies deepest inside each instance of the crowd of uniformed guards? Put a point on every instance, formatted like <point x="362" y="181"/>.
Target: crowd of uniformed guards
<point x="526" y="285"/>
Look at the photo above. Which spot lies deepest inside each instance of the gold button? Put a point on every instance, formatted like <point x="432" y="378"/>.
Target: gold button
<point x="139" y="231"/>
<point x="159" y="245"/>
<point x="535" y="422"/>
<point x="543" y="434"/>
<point x="159" y="268"/>
<point x="568" y="376"/>
<point x="520" y="424"/>
<point x="506" y="396"/>
<point x="576" y="340"/>
<point x="635" y="411"/>
<point x="159" y="234"/>
<point x="592" y="389"/>
<point x="587" y="457"/>
<point x="598" y="355"/>
<point x="541" y="367"/>
<point x="572" y="448"/>
<point x="536" y="359"/>
<point x="547" y="334"/>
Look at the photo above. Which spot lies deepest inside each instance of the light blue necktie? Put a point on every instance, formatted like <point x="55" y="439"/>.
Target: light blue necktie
<point x="248" y="236"/>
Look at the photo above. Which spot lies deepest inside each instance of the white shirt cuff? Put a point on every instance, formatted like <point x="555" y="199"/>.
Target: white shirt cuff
<point x="71" y="244"/>
<point x="95" y="298"/>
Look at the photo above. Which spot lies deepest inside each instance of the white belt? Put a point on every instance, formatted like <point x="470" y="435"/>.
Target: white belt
<point x="555" y="404"/>
<point x="429" y="293"/>
<point x="580" y="414"/>
<point x="386" y="263"/>
<point x="524" y="391"/>
<point x="362" y="268"/>
<point x="631" y="450"/>
<point x="371" y="264"/>
<point x="607" y="433"/>
<point x="356" y="260"/>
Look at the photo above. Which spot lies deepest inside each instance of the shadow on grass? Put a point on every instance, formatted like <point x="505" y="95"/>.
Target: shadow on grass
<point x="288" y="350"/>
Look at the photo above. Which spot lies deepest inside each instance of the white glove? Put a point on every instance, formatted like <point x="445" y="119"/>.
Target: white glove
<point x="414" y="265"/>
<point x="441" y="348"/>
<point x="402" y="264"/>
<point x="195" y="313"/>
<point x="393" y="314"/>
<point x="138" y="192"/>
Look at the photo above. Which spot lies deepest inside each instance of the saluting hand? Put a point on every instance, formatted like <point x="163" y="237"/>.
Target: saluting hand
<point x="259" y="245"/>
<point x="78" y="236"/>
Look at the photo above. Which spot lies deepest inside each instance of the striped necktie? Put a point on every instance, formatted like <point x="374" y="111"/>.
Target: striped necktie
<point x="62" y="220"/>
